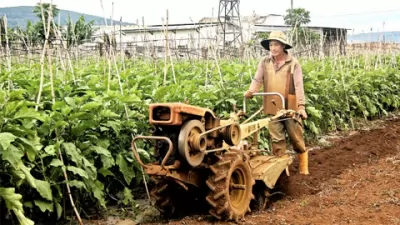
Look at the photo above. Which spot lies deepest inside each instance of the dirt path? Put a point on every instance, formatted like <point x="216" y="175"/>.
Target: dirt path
<point x="357" y="181"/>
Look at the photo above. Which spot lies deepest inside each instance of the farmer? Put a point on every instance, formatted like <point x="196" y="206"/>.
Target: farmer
<point x="281" y="72"/>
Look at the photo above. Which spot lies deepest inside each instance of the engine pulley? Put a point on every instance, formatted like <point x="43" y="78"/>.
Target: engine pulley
<point x="232" y="134"/>
<point x="191" y="145"/>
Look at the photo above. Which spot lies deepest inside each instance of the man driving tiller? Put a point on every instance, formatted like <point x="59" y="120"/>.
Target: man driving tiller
<point x="281" y="72"/>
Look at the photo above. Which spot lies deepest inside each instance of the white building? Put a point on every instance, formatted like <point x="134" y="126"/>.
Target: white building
<point x="197" y="36"/>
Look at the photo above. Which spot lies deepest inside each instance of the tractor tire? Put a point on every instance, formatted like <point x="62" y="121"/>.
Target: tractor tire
<point x="230" y="185"/>
<point x="162" y="196"/>
<point x="171" y="200"/>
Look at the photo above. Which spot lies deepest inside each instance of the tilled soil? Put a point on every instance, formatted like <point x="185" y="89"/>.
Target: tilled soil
<point x="356" y="181"/>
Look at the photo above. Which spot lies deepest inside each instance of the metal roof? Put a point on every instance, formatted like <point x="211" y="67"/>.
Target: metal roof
<point x="171" y="27"/>
<point x="287" y="26"/>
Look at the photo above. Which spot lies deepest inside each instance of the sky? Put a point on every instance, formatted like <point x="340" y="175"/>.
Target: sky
<point x="359" y="15"/>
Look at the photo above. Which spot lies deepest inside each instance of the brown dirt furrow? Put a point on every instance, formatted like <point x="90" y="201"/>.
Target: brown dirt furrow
<point x="365" y="147"/>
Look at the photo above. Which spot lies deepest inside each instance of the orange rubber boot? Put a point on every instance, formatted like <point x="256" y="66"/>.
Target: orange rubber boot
<point x="303" y="163"/>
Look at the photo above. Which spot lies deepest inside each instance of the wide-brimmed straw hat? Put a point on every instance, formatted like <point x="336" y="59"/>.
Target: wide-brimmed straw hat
<point x="277" y="36"/>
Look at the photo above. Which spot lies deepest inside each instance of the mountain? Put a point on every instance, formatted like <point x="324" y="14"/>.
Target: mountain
<point x="20" y="15"/>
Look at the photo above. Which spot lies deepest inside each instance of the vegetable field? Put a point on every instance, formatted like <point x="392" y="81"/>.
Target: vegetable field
<point x="65" y="135"/>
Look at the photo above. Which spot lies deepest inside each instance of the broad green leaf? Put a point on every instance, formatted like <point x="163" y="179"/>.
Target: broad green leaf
<point x="70" y="101"/>
<point x="103" y="129"/>
<point x="50" y="150"/>
<point x="11" y="107"/>
<point x="13" y="202"/>
<point x="90" y="106"/>
<point x="125" y="168"/>
<point x="82" y="116"/>
<point x="78" y="171"/>
<point x="13" y="155"/>
<point x="59" y="210"/>
<point x="28" y="205"/>
<point x="232" y="101"/>
<point x="83" y="127"/>
<point x="22" y="219"/>
<point x="107" y="161"/>
<point x="105" y="172"/>
<point x="101" y="151"/>
<point x="61" y="124"/>
<point x="44" y="206"/>
<point x="90" y="169"/>
<point x="104" y="143"/>
<point x="6" y="139"/>
<point x="131" y="98"/>
<point x="78" y="184"/>
<point x="28" y="176"/>
<point x="43" y="187"/>
<point x="143" y="153"/>
<point x="59" y="105"/>
<point x="73" y="152"/>
<point x="31" y="149"/>
<point x="28" y="113"/>
<point x="109" y="114"/>
<point x="128" y="197"/>
<point x="17" y="94"/>
<point x="314" y="112"/>
<point x="97" y="189"/>
<point x="18" y="175"/>
<point x="11" y="198"/>
<point x="56" y="163"/>
<point x="115" y="125"/>
<point x="2" y="96"/>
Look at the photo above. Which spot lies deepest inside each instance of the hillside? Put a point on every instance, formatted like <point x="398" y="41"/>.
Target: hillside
<point x="19" y="16"/>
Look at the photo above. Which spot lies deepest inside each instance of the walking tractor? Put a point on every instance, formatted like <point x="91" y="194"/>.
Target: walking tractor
<point x="202" y="158"/>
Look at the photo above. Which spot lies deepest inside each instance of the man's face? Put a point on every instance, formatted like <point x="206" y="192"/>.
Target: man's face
<point x="276" y="48"/>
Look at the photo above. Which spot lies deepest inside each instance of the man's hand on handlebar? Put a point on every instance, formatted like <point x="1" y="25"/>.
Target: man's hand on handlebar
<point x="248" y="94"/>
<point x="302" y="112"/>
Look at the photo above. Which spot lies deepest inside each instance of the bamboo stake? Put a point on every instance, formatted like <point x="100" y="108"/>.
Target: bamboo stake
<point x="166" y="48"/>
<point x="167" y="51"/>
<point x="53" y="96"/>
<point x="109" y="73"/>
<point x="8" y="57"/>
<point x="126" y="108"/>
<point x="120" y="45"/>
<point x="1" y="49"/>
<point x="43" y="55"/>
<point x="68" y="187"/>
<point x="107" y="52"/>
<point x="127" y="113"/>
<point x="59" y="37"/>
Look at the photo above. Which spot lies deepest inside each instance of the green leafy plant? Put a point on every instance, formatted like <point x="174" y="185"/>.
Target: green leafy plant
<point x="86" y="133"/>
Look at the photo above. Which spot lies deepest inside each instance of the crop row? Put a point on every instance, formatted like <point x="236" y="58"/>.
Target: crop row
<point x="82" y="128"/>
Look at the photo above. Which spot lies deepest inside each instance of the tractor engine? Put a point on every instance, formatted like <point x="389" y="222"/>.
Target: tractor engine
<point x="191" y="130"/>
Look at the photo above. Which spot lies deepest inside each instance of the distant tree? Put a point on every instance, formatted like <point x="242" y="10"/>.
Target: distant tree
<point x="3" y="32"/>
<point x="77" y="32"/>
<point x="302" y="37"/>
<point x="39" y="27"/>
<point x="38" y="11"/>
<point x="29" y="37"/>
<point x="262" y="35"/>
<point x="297" y="17"/>
<point x="6" y="33"/>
